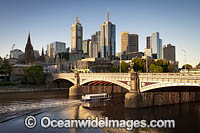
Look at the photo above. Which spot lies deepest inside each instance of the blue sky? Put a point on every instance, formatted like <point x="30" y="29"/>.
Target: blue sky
<point x="177" y="21"/>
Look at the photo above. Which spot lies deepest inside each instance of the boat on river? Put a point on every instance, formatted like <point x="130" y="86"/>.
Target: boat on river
<point x="96" y="97"/>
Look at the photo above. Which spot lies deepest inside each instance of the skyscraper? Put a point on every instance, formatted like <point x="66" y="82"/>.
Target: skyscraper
<point x="76" y="37"/>
<point x="148" y="41"/>
<point x="55" y="48"/>
<point x="93" y="50"/>
<point x="169" y="52"/>
<point x="96" y="40"/>
<point x="107" y="39"/>
<point x="29" y="52"/>
<point x="129" y="43"/>
<point x="85" y="46"/>
<point x="156" y="45"/>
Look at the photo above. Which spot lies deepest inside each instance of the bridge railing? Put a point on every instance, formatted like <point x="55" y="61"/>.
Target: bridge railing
<point x="109" y="76"/>
<point x="189" y="76"/>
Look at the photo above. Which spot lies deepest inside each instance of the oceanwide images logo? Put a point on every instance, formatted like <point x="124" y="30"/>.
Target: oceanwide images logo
<point x="47" y="122"/>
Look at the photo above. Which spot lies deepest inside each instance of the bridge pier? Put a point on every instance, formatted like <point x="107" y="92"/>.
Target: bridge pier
<point x="133" y="98"/>
<point x="75" y="90"/>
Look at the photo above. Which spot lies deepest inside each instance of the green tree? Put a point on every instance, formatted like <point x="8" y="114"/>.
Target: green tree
<point x="124" y="66"/>
<point x="188" y="66"/>
<point x="156" y="69"/>
<point x="164" y="64"/>
<point x="138" y="64"/>
<point x="114" y="69"/>
<point x="6" y="68"/>
<point x="33" y="75"/>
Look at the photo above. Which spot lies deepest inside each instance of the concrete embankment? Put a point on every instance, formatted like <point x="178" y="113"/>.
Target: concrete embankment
<point x="16" y="89"/>
<point x="151" y="99"/>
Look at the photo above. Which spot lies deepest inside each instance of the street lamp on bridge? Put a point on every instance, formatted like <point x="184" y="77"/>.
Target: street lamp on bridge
<point x="185" y="57"/>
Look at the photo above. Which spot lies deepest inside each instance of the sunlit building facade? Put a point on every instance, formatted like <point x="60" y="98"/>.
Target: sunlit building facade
<point x="108" y="39"/>
<point x="76" y="37"/>
<point x="156" y="45"/>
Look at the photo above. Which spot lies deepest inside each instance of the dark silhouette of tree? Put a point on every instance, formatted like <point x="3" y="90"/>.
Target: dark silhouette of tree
<point x="33" y="75"/>
<point x="188" y="66"/>
<point x="124" y="67"/>
<point x="6" y="68"/>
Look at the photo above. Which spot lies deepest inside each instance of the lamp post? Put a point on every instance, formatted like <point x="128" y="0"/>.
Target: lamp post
<point x="131" y="65"/>
<point x="185" y="57"/>
<point x="146" y="64"/>
<point x="120" y="68"/>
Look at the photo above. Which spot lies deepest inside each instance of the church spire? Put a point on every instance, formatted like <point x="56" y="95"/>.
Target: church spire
<point x="29" y="39"/>
<point x="29" y="52"/>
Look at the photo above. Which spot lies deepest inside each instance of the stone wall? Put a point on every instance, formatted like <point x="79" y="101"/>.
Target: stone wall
<point x="93" y="89"/>
<point x="150" y="99"/>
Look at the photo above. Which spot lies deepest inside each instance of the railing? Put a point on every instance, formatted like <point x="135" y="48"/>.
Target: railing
<point x="189" y="76"/>
<point x="154" y="86"/>
<point x="108" y="76"/>
<point x="169" y="79"/>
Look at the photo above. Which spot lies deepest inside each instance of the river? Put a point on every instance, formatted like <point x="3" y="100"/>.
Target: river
<point x="14" y="107"/>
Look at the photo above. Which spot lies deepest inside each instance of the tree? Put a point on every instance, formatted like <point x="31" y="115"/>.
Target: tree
<point x="138" y="64"/>
<point x="124" y="66"/>
<point x="198" y="66"/>
<point x="33" y="75"/>
<point x="164" y="64"/>
<point x="6" y="68"/>
<point x="188" y="66"/>
<point x="156" y="69"/>
<point x="114" y="69"/>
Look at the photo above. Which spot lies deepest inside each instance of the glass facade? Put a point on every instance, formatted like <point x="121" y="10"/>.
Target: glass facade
<point x="156" y="45"/>
<point x="55" y="48"/>
<point x="107" y="40"/>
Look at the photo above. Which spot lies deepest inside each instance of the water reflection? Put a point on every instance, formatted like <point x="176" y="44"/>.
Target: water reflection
<point x="187" y="116"/>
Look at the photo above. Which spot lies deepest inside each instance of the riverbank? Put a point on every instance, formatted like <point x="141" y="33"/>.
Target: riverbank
<point x="17" y="89"/>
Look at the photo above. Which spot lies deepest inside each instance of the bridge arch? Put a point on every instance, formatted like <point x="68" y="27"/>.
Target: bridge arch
<point x="62" y="83"/>
<point x="164" y="85"/>
<point x="112" y="81"/>
<point x="67" y="79"/>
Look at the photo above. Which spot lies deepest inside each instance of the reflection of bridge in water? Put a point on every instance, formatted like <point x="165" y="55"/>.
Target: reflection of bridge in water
<point x="140" y="85"/>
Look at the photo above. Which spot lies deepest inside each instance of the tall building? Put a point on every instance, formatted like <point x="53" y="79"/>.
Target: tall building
<point x="169" y="52"/>
<point x="93" y="50"/>
<point x="148" y="41"/>
<point x="108" y="39"/>
<point x="85" y="46"/>
<point x="15" y="53"/>
<point x="29" y="57"/>
<point x="76" y="37"/>
<point x="55" y="48"/>
<point x="156" y="45"/>
<point x="96" y="40"/>
<point x="129" y="43"/>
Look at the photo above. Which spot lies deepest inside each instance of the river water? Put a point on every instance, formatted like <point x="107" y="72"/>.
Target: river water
<point x="14" y="107"/>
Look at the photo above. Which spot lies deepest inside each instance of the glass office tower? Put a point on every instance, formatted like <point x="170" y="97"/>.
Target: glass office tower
<point x="108" y="39"/>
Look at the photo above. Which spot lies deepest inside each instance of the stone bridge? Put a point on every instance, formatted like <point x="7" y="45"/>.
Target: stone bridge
<point x="145" y="81"/>
<point x="135" y="83"/>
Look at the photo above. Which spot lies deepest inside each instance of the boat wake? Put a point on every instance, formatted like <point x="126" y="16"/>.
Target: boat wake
<point x="35" y="105"/>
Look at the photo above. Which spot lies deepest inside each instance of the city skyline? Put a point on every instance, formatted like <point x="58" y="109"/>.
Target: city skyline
<point x="179" y="28"/>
